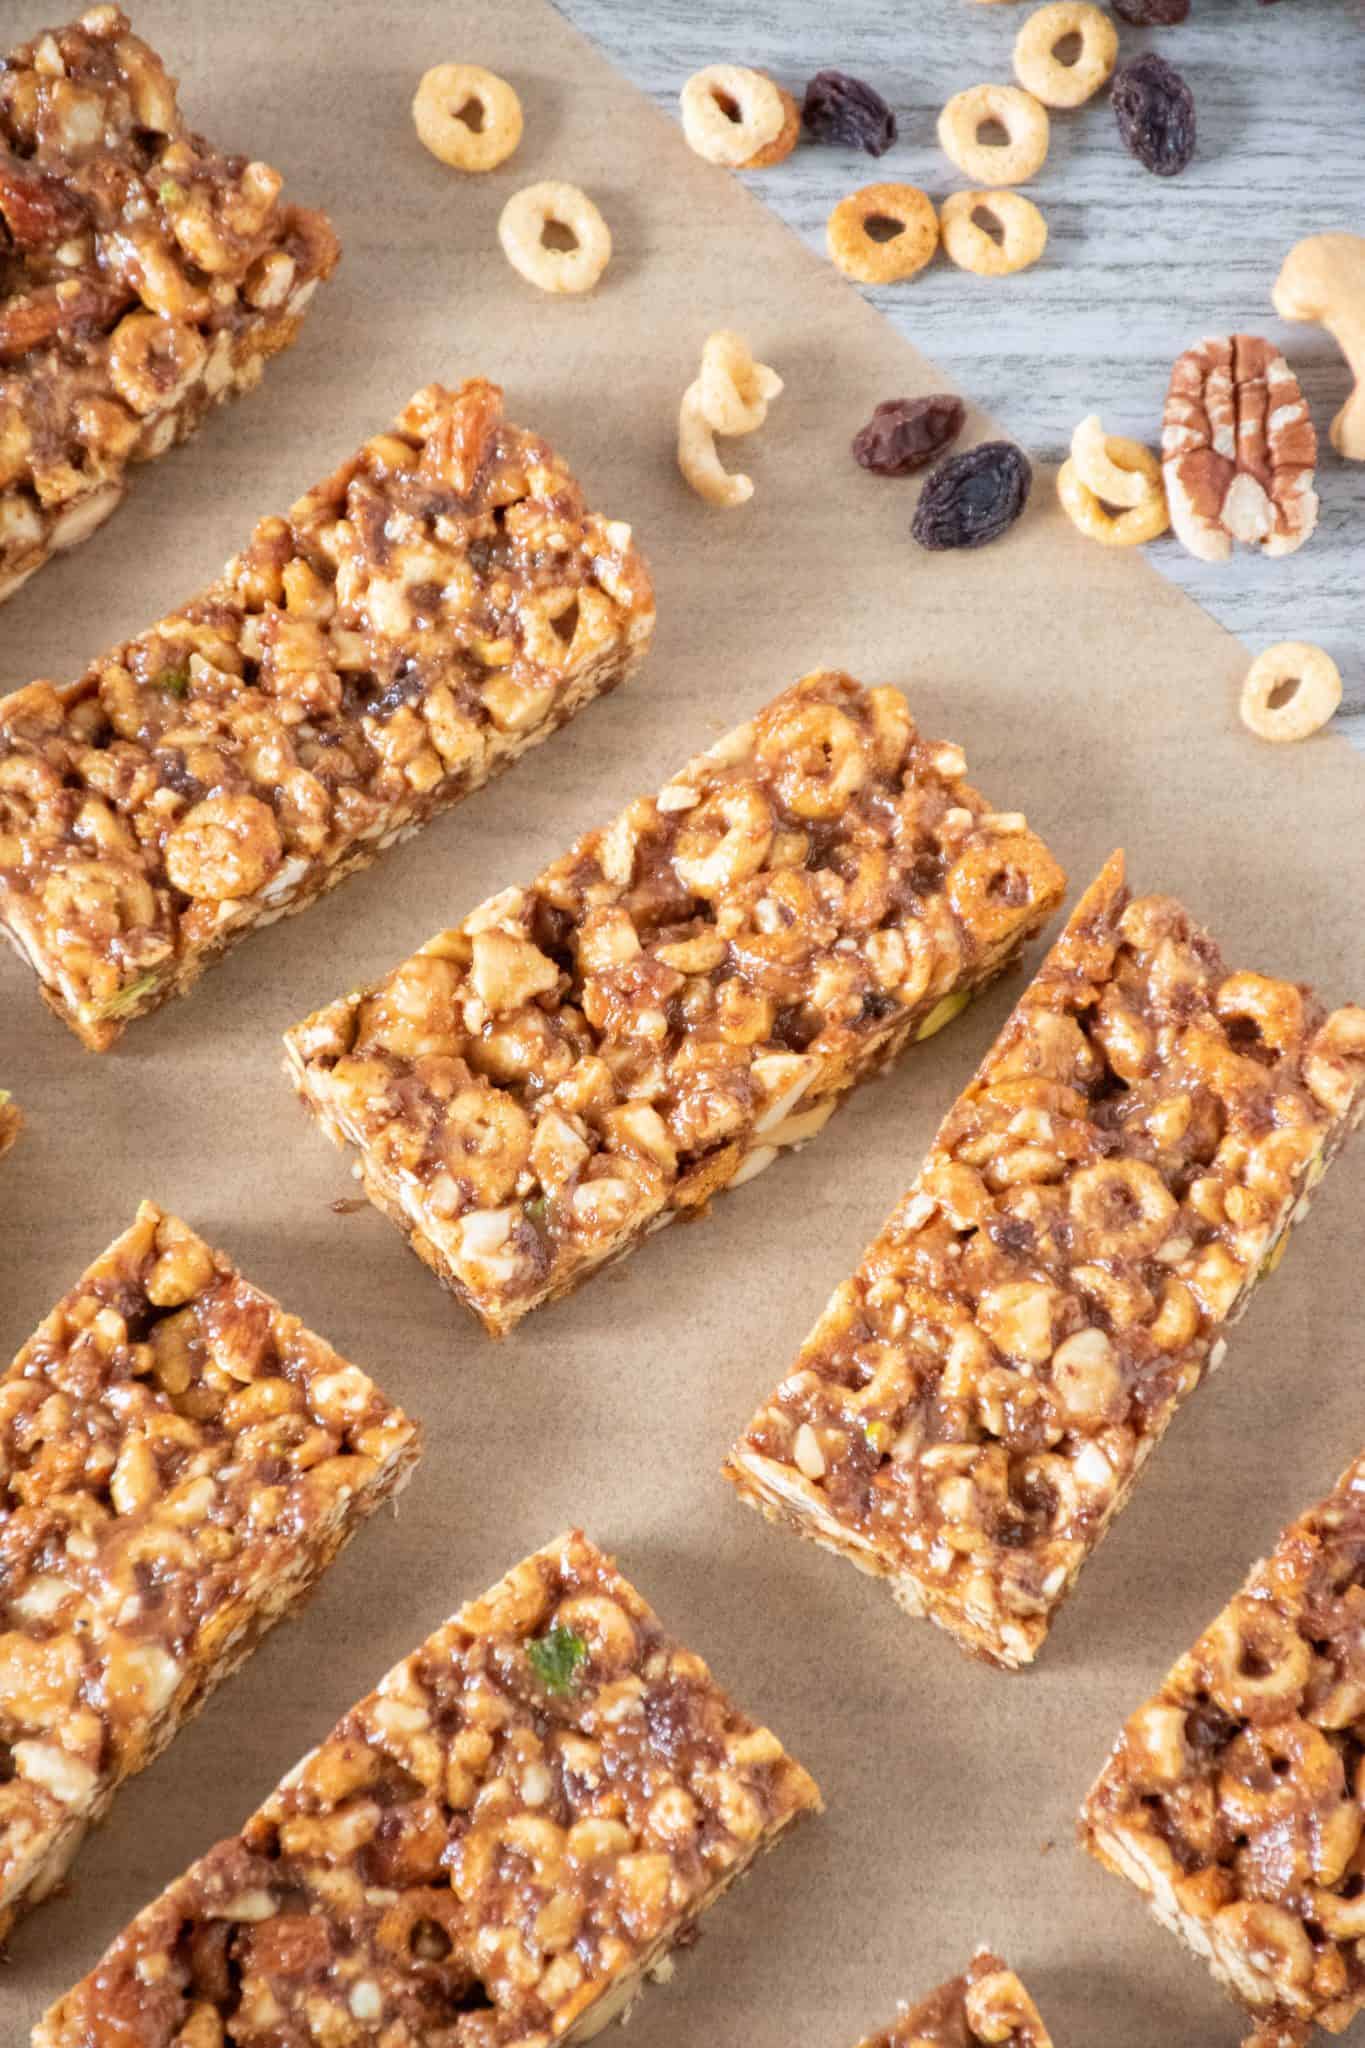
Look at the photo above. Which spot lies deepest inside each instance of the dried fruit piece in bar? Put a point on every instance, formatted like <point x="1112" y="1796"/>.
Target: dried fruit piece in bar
<point x="987" y="2003"/>
<point x="182" y="1459"/>
<point x="1234" y="1799"/>
<point x="442" y="602"/>
<point x="490" y="1851"/>
<point x="145" y="276"/>
<point x="684" y="994"/>
<point x="969" y="1414"/>
<point x="1238" y="449"/>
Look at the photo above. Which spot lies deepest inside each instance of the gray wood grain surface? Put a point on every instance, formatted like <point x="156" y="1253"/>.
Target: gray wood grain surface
<point x="1136" y="267"/>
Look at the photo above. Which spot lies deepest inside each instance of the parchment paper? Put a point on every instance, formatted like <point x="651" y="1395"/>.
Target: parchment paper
<point x="1087" y="692"/>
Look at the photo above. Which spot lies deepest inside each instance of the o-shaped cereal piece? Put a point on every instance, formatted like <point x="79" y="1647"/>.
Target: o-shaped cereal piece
<point x="521" y="230"/>
<point x="784" y="142"/>
<point x="1290" y="691"/>
<point x="883" y="233"/>
<point x="972" y="247"/>
<point x="731" y="114"/>
<point x="1097" y="469"/>
<point x="1049" y="77"/>
<point x="735" y="390"/>
<point x="1125" y="529"/>
<point x="467" y="116"/>
<point x="1027" y="131"/>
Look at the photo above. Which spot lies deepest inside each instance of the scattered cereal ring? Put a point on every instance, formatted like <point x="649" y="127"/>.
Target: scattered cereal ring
<point x="734" y="389"/>
<point x="1046" y="75"/>
<point x="1024" y="120"/>
<point x="1310" y="681"/>
<point x="697" y="457"/>
<point x="467" y="116"/>
<point x="972" y="247"/>
<point x="521" y="230"/>
<point x="730" y="114"/>
<point x="906" y="239"/>
<point x="784" y="142"/>
<point x="1098" y="470"/>
<point x="1125" y="529"/>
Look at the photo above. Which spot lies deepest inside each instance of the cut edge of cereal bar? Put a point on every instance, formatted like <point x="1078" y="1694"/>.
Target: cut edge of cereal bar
<point x="502" y="1840"/>
<point x="987" y="2003"/>
<point x="442" y="602"/>
<point x="822" y="848"/>
<point x="981" y="1536"/>
<point x="1260" y="1716"/>
<point x="142" y="1476"/>
<point x="11" y="1121"/>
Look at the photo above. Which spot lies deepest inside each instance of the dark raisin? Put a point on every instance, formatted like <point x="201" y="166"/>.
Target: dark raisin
<point x="1155" y="112"/>
<point x="844" y="110"/>
<point x="905" y="433"/>
<point x="1153" y="13"/>
<point x="971" y="499"/>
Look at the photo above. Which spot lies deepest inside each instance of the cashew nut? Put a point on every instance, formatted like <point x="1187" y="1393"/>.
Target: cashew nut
<point x="1323" y="279"/>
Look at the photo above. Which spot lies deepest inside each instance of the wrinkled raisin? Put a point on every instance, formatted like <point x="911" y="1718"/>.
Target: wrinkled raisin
<point x="971" y="499"/>
<point x="844" y="110"/>
<point x="1155" y="112"/>
<point x="1153" y="13"/>
<point x="905" y="433"/>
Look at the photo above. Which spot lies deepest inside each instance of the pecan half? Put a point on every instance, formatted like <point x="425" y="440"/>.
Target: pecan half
<point x="1238" y="449"/>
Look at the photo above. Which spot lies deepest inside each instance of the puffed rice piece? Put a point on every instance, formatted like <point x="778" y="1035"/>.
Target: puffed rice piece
<point x="441" y="108"/>
<point x="522" y="227"/>
<point x="1311" y="681"/>
<point x="1012" y="162"/>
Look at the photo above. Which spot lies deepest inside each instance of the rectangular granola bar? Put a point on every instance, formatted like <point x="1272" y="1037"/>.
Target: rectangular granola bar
<point x="493" y="1848"/>
<point x="11" y="1120"/>
<point x="1235" y="1798"/>
<point x="987" y="2003"/>
<point x="182" y="1460"/>
<point x="683" y="994"/>
<point x="969" y="1414"/>
<point x="145" y="276"/>
<point x="440" y="603"/>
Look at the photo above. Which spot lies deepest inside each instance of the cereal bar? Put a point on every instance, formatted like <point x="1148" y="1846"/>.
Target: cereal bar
<point x="11" y="1120"/>
<point x="442" y="602"/>
<point x="145" y="276"/>
<point x="1235" y="1798"/>
<point x="182" y="1460"/>
<point x="682" y="995"/>
<point x="987" y="2003"/>
<point x="969" y="1414"/>
<point x="494" y="1848"/>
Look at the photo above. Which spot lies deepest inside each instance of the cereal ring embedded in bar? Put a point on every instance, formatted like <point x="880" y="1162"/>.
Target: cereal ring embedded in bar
<point x="529" y="216"/>
<point x="1234" y="1799"/>
<point x="497" y="1846"/>
<point x="1094" y="1213"/>
<point x="1023" y="232"/>
<point x="686" y="993"/>
<point x="441" y="602"/>
<point x="882" y="234"/>
<point x="468" y="117"/>
<point x="986" y="2004"/>
<point x="1130" y="525"/>
<point x="183" y="1460"/>
<point x="1290" y="691"/>
<point x="1024" y="119"/>
<point x="731" y="114"/>
<point x="1043" y="73"/>
<point x="11" y="1120"/>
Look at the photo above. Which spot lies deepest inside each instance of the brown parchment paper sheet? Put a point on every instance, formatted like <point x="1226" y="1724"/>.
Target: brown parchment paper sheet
<point x="1087" y="692"/>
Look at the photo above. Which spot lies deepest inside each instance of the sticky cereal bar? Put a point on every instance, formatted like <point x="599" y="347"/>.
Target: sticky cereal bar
<point x="442" y="602"/>
<point x="145" y="276"/>
<point x="182" y="1460"/>
<point x="969" y="1414"/>
<point x="987" y="2003"/>
<point x="1234" y="1798"/>
<point x="682" y="995"/>
<point x="11" y="1121"/>
<point x="494" y="1848"/>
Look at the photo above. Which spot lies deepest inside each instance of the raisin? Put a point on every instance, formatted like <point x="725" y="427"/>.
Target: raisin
<point x="1153" y="13"/>
<point x="905" y="433"/>
<point x="844" y="110"/>
<point x="971" y="499"/>
<point x="1155" y="112"/>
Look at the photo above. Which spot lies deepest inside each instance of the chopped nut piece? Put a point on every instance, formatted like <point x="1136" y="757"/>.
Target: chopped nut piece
<point x="986" y="2004"/>
<point x="1095" y="1210"/>
<point x="581" y="1059"/>
<point x="155" y="1411"/>
<point x="447" y="1864"/>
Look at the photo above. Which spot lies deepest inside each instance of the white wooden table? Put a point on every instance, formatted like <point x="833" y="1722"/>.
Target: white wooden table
<point x="1136" y="267"/>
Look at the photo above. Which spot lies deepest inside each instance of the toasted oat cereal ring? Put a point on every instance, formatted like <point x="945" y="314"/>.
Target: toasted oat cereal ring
<point x="1023" y="232"/>
<point x="731" y="114"/>
<point x="1024" y="119"/>
<point x="1290" y="691"/>
<point x="522" y="228"/>
<point x="1065" y="81"/>
<point x="467" y="116"/>
<point x="883" y="233"/>
<point x="1097" y="469"/>
<point x="735" y="390"/>
<point x="784" y="142"/>
<point x="1122" y="529"/>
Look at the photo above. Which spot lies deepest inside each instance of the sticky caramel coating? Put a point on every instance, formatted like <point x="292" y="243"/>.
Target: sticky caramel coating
<point x="986" y="2004"/>
<point x="969" y="1414"/>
